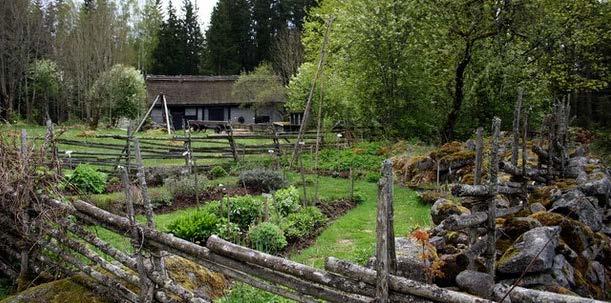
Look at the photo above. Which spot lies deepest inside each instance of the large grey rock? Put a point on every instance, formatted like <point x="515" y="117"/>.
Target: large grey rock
<point x="575" y="204"/>
<point x="475" y="283"/>
<point x="527" y="247"/>
<point x="563" y="272"/>
<point x="596" y="274"/>
<point x="537" y="207"/>
<point x="532" y="280"/>
<point x="443" y="208"/>
<point x="409" y="261"/>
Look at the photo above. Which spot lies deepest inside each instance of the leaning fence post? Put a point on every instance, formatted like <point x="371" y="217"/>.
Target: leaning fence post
<point x="385" y="250"/>
<point x="493" y="189"/>
<point x="148" y="208"/>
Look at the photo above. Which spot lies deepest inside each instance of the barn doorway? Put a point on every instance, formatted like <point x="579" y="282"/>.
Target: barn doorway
<point x="216" y="114"/>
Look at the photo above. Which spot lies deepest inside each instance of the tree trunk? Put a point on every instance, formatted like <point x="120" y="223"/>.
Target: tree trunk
<point x="459" y="83"/>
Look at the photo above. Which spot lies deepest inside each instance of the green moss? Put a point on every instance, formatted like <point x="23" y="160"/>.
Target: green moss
<point x="60" y="291"/>
<point x="574" y="233"/>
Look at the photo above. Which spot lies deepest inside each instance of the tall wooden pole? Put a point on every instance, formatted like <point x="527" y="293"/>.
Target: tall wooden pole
<point x="306" y="112"/>
<point x="493" y="189"/>
<point x="516" y="129"/>
<point x="148" y="112"/>
<point x="385" y="244"/>
<point x="167" y="114"/>
<point x="479" y="152"/>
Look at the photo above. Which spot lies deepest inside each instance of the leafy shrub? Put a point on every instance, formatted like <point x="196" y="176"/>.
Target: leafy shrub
<point x="217" y="172"/>
<point x="286" y="201"/>
<point x="195" y="227"/>
<point x="187" y="186"/>
<point x="245" y="210"/>
<point x="229" y="231"/>
<point x="365" y="156"/>
<point x="267" y="237"/>
<point x="372" y="177"/>
<point x="303" y="223"/>
<point x="160" y="197"/>
<point x="358" y="198"/>
<point x="88" y="179"/>
<point x="262" y="179"/>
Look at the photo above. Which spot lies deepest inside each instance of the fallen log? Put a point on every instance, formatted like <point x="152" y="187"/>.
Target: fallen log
<point x="175" y="245"/>
<point x="118" y="272"/>
<point x="107" y="281"/>
<point x="243" y="254"/>
<point x="464" y="190"/>
<point x="538" y="175"/>
<point x="526" y="295"/>
<point x="401" y="284"/>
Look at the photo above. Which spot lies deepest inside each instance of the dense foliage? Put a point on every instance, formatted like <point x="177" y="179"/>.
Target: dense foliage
<point x="286" y="201"/>
<point x="267" y="237"/>
<point x="365" y="156"/>
<point x="303" y="223"/>
<point x="217" y="172"/>
<point x="439" y="69"/>
<point x="118" y="92"/>
<point x="186" y="186"/>
<point x="87" y="179"/>
<point x="195" y="227"/>
<point x="262" y="179"/>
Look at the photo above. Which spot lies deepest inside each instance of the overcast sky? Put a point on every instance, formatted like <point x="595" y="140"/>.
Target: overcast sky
<point x="204" y="8"/>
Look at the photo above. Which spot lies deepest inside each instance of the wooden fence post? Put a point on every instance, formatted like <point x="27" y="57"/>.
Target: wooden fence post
<point x="22" y="280"/>
<point x="385" y="244"/>
<point x="232" y="144"/>
<point x="492" y="190"/>
<point x="157" y="254"/>
<point x="479" y="151"/>
<point x="137" y="239"/>
<point x="516" y="129"/>
<point x="188" y="149"/>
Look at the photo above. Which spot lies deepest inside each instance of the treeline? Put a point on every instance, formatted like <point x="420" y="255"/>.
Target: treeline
<point x="439" y="69"/>
<point x="52" y="52"/>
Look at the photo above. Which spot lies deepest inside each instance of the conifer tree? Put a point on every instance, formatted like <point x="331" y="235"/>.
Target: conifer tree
<point x="192" y="39"/>
<point x="229" y="42"/>
<point x="169" y="53"/>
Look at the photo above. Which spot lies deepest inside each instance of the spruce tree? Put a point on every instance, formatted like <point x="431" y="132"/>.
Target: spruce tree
<point x="169" y="53"/>
<point x="192" y="39"/>
<point x="229" y="42"/>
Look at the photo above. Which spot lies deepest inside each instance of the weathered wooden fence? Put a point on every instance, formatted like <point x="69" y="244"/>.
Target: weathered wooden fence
<point x="110" y="150"/>
<point x="42" y="233"/>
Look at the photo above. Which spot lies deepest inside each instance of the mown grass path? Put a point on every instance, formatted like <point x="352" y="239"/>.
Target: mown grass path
<point x="352" y="236"/>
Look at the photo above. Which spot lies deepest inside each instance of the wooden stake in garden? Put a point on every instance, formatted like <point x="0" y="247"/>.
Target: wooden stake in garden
<point x="516" y="129"/>
<point x="493" y="190"/>
<point x="306" y="112"/>
<point x="386" y="259"/>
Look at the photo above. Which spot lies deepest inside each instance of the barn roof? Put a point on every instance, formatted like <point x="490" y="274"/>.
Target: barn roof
<point x="192" y="90"/>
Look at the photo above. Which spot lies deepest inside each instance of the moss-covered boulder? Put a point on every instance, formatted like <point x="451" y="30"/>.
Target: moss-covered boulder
<point x="534" y="249"/>
<point x="575" y="234"/>
<point x="513" y="227"/>
<point x="443" y="208"/>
